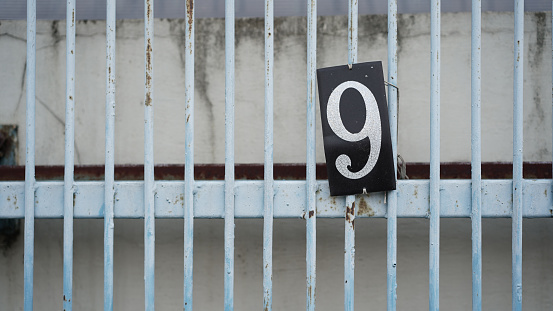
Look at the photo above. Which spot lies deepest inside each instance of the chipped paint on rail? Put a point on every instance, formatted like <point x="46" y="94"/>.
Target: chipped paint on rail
<point x="289" y="199"/>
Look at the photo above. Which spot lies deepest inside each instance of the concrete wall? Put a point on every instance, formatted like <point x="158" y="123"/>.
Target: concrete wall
<point x="290" y="89"/>
<point x="290" y="93"/>
<point x="288" y="265"/>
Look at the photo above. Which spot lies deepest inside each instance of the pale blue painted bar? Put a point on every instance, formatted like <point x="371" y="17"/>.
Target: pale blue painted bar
<point x="149" y="182"/>
<point x="517" y="155"/>
<point x="29" y="199"/>
<point x="109" y="194"/>
<point x="391" y="261"/>
<point x="413" y="199"/>
<point x="268" y="191"/>
<point x="69" y="158"/>
<point x="310" y="210"/>
<point x="189" y="157"/>
<point x="349" y="255"/>
<point x="476" y="142"/>
<point x="352" y="31"/>
<point x="434" y="256"/>
<point x="229" y="154"/>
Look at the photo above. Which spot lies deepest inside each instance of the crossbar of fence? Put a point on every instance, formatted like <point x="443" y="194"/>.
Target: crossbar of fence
<point x="307" y="199"/>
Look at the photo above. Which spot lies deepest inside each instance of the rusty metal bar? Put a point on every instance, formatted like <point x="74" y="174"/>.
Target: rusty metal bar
<point x="189" y="157"/>
<point x="109" y="191"/>
<point x="149" y="181"/>
<point x="349" y="253"/>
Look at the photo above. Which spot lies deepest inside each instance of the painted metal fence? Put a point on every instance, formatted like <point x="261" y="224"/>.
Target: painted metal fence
<point x="269" y="199"/>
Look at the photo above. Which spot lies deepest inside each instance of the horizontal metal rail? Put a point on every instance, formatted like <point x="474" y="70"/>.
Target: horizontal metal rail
<point x="289" y="200"/>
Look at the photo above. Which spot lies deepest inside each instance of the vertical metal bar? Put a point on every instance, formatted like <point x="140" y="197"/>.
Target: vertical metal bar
<point x="268" y="167"/>
<point x="517" y="155"/>
<point x="189" y="157"/>
<point x="311" y="212"/>
<point x="352" y="31"/>
<point x="68" y="187"/>
<point x="476" y="142"/>
<point x="30" y="158"/>
<point x="110" y="149"/>
<point x="349" y="253"/>
<point x="149" y="182"/>
<point x="392" y="195"/>
<point x="434" y="264"/>
<point x="229" y="155"/>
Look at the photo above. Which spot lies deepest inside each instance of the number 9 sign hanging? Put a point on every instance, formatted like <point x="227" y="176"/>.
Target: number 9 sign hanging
<point x="356" y="130"/>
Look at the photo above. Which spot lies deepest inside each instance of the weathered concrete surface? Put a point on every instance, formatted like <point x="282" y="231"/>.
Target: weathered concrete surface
<point x="289" y="265"/>
<point x="290" y="89"/>
<point x="289" y="245"/>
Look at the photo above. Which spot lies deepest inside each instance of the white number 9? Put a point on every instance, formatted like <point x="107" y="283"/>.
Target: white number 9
<point x="371" y="129"/>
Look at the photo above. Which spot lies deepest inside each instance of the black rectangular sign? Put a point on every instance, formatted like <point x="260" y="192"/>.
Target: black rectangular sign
<point x="356" y="129"/>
